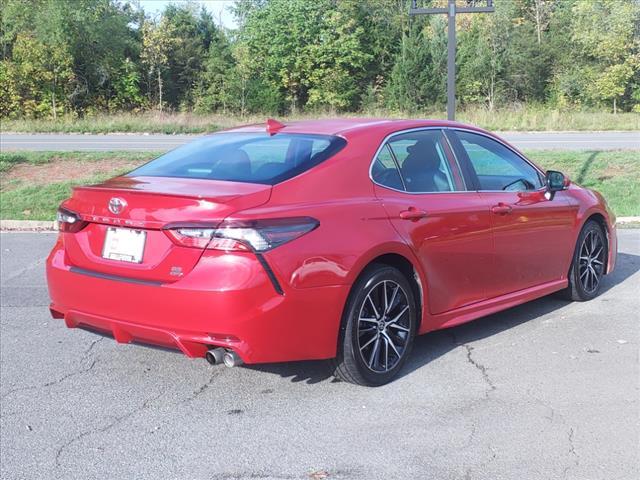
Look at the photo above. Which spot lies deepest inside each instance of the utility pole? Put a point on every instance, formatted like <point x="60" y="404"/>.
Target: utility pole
<point x="451" y="10"/>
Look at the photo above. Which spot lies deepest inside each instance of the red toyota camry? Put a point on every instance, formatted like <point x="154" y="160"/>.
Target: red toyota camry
<point x="335" y="239"/>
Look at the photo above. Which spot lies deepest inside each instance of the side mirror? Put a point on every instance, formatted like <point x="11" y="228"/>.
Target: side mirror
<point x="556" y="181"/>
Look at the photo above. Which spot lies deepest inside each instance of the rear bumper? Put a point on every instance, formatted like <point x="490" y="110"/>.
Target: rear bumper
<point x="226" y="300"/>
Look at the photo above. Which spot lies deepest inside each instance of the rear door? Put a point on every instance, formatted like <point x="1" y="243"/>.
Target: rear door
<point x="422" y="189"/>
<point x="532" y="233"/>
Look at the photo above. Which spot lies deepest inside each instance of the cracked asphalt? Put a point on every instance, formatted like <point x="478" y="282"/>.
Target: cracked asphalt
<point x="546" y="390"/>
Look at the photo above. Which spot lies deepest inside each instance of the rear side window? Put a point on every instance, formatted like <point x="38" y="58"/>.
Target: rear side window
<point x="385" y="170"/>
<point x="245" y="157"/>
<point x="416" y="162"/>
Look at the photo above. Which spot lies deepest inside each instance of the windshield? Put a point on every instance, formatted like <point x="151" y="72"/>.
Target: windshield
<point x="244" y="157"/>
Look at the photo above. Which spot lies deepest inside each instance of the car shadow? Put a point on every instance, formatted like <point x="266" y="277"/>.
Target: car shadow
<point x="435" y="344"/>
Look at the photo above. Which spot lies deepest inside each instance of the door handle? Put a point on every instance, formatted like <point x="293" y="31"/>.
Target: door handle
<point x="412" y="214"/>
<point x="501" y="209"/>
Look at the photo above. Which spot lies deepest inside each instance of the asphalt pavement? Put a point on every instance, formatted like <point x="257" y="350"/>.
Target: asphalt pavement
<point x="547" y="390"/>
<point x="152" y="142"/>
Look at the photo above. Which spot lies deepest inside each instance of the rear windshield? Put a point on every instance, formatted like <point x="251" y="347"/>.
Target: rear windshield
<point x="244" y="157"/>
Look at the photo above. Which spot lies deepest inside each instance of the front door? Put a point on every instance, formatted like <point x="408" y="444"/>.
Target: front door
<point x="449" y="229"/>
<point x="532" y="232"/>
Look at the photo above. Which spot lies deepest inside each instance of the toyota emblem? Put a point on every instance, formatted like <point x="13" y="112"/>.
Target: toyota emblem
<point x="117" y="205"/>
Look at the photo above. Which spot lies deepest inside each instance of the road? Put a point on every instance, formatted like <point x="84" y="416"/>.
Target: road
<point x="525" y="141"/>
<point x="546" y="390"/>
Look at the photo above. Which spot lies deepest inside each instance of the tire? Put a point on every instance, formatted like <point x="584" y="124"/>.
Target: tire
<point x="375" y="341"/>
<point x="588" y="264"/>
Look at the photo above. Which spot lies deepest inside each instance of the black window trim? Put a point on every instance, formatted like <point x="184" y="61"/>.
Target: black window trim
<point x="385" y="142"/>
<point x="467" y="161"/>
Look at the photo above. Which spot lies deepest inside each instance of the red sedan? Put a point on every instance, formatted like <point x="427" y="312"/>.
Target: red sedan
<point x="334" y="239"/>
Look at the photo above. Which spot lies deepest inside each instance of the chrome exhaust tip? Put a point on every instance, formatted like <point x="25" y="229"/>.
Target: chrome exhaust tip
<point x="215" y="355"/>
<point x="232" y="359"/>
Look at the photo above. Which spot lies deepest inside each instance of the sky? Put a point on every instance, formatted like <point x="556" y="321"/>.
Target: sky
<point x="217" y="8"/>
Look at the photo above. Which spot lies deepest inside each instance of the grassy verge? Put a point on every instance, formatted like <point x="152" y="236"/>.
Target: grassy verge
<point x="32" y="184"/>
<point x="9" y="160"/>
<point x="523" y="119"/>
<point x="615" y="174"/>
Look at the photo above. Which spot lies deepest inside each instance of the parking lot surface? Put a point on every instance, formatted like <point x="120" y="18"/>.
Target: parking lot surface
<point x="546" y="390"/>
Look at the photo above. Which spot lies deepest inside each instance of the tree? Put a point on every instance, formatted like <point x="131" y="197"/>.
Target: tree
<point x="602" y="63"/>
<point x="540" y="12"/>
<point x="128" y="95"/>
<point x="37" y="76"/>
<point x="482" y="58"/>
<point x="408" y="88"/>
<point x="192" y="33"/>
<point x="156" y="42"/>
<point x="612" y="83"/>
<point x="214" y="81"/>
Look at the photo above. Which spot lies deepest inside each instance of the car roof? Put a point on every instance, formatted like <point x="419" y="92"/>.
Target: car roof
<point x="349" y="126"/>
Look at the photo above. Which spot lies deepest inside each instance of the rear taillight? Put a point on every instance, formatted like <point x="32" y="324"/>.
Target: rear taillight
<point x="69" y="221"/>
<point x="254" y="235"/>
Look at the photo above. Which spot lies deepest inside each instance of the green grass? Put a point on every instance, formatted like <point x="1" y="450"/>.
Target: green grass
<point x="534" y="119"/>
<point x="10" y="159"/>
<point x="38" y="203"/>
<point x="616" y="174"/>
<point x="530" y="118"/>
<point x="123" y="123"/>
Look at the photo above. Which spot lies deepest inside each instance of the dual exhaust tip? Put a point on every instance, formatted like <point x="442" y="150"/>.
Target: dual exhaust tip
<point x="219" y="355"/>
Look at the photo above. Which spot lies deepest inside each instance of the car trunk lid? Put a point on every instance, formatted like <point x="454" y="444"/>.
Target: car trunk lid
<point x="147" y="205"/>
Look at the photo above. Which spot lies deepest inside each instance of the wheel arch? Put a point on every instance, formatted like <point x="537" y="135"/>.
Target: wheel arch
<point x="407" y="264"/>
<point x="600" y="219"/>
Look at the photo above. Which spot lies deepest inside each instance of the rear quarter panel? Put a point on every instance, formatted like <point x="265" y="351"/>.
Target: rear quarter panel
<point x="354" y="226"/>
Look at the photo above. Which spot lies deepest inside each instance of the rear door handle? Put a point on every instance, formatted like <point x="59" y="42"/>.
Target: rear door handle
<point x="501" y="209"/>
<point x="412" y="214"/>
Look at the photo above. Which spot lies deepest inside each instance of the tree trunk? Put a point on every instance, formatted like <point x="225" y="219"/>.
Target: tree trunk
<point x="243" y="96"/>
<point x="538" y="21"/>
<point x="615" y="106"/>
<point x="160" y="90"/>
<point x="53" y="97"/>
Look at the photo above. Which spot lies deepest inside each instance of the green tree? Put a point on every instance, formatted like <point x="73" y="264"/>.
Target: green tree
<point x="602" y="62"/>
<point x="614" y="81"/>
<point x="193" y="32"/>
<point x="214" y="92"/>
<point x="410" y="83"/>
<point x="156" y="43"/>
<point x="128" y="94"/>
<point x="37" y="77"/>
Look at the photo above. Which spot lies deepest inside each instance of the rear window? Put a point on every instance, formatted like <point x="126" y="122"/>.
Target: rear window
<point x="244" y="157"/>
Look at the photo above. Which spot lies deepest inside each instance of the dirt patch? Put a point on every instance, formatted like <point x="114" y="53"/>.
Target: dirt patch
<point x="59" y="171"/>
<point x="612" y="171"/>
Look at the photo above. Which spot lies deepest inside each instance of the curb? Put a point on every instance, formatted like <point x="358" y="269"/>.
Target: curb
<point x="52" y="226"/>
<point x="28" y="225"/>
<point x="623" y="220"/>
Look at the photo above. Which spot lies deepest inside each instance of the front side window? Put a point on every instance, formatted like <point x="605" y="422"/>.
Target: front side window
<point x="497" y="167"/>
<point x="244" y="157"/>
<point x="421" y="160"/>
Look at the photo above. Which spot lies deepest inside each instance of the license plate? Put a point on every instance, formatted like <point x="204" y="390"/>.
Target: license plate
<point x="124" y="244"/>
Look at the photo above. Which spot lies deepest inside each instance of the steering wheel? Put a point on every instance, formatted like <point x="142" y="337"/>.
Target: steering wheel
<point x="527" y="184"/>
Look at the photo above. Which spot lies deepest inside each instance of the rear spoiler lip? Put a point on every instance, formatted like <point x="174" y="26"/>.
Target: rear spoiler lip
<point x="105" y="187"/>
<point x="130" y="191"/>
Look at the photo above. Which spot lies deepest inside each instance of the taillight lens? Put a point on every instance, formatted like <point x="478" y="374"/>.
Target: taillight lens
<point x="69" y="221"/>
<point x="255" y="235"/>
